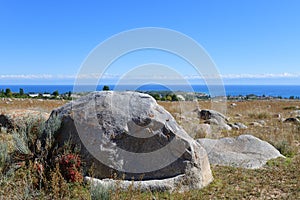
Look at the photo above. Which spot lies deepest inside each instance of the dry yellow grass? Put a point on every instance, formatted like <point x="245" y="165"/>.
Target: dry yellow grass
<point x="30" y="104"/>
<point x="274" y="131"/>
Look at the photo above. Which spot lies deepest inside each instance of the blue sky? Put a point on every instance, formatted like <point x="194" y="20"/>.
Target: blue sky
<point x="251" y="42"/>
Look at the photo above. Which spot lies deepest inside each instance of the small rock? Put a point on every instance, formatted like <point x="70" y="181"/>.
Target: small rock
<point x="241" y="125"/>
<point x="255" y="124"/>
<point x="292" y="120"/>
<point x="233" y="105"/>
<point x="262" y="122"/>
<point x="214" y="118"/>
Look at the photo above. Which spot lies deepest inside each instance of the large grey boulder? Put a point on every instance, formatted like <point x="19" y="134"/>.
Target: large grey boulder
<point x="129" y="135"/>
<point x="244" y="151"/>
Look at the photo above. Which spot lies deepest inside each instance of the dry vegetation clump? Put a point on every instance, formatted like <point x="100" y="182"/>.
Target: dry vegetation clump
<point x="35" y="168"/>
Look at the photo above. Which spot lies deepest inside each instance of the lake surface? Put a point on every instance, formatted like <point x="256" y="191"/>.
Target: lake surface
<point x="234" y="90"/>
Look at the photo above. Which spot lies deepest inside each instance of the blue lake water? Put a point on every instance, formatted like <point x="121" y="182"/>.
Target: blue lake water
<point x="234" y="90"/>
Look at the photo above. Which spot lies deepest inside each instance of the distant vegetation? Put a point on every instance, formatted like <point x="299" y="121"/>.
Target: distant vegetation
<point x="7" y="93"/>
<point x="105" y="88"/>
<point x="179" y="96"/>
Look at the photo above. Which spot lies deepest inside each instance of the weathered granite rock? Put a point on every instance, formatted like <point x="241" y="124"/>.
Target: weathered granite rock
<point x="130" y="135"/>
<point x="245" y="151"/>
<point x="216" y="119"/>
<point x="211" y="114"/>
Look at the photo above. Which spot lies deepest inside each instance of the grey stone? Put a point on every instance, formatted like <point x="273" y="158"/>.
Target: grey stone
<point x="240" y="125"/>
<point x="292" y="120"/>
<point x="211" y="114"/>
<point x="262" y="122"/>
<point x="233" y="105"/>
<point x="255" y="124"/>
<point x="244" y="151"/>
<point x="214" y="118"/>
<point x="125" y="133"/>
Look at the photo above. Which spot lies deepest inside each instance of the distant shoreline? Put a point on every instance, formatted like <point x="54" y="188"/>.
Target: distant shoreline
<point x="277" y="91"/>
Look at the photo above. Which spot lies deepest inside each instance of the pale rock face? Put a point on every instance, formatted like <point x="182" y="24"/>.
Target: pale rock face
<point x="130" y="135"/>
<point x="244" y="151"/>
<point x="215" y="119"/>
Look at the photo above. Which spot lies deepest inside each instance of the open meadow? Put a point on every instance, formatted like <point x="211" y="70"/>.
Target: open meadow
<point x="25" y="178"/>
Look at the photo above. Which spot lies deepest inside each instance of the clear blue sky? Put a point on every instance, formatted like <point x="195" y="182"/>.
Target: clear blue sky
<point x="46" y="41"/>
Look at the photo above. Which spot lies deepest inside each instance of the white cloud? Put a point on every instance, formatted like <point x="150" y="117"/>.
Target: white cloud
<point x="26" y="76"/>
<point x="248" y="76"/>
<point x="54" y="77"/>
<point x="281" y="75"/>
<point x="159" y="76"/>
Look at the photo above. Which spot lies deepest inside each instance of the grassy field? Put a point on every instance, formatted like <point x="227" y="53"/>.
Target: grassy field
<point x="32" y="177"/>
